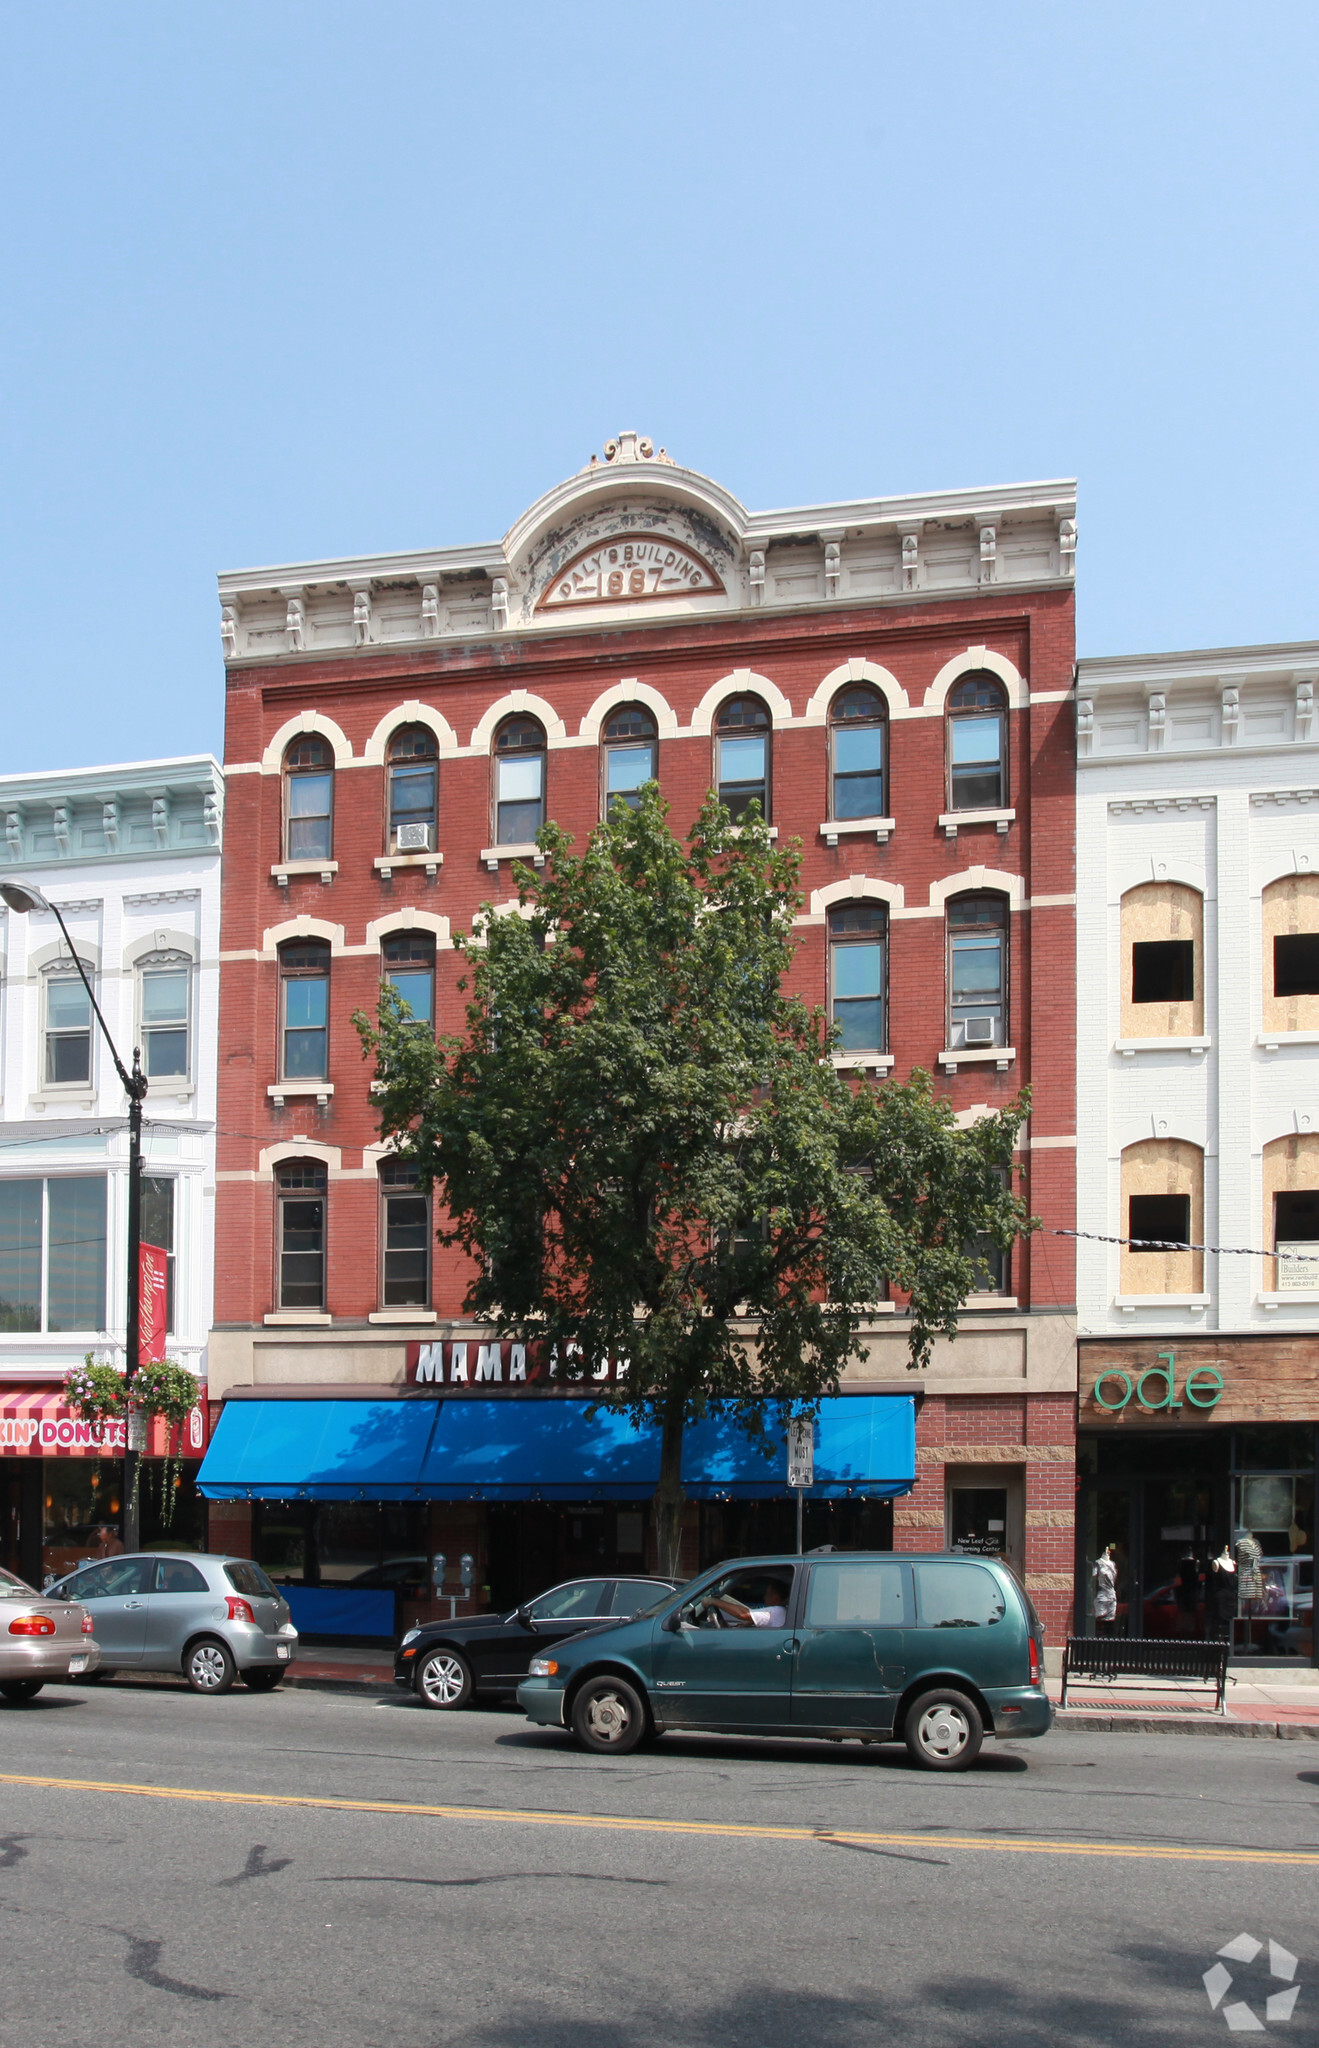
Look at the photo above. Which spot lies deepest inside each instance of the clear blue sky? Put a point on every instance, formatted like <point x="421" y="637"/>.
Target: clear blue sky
<point x="314" y="279"/>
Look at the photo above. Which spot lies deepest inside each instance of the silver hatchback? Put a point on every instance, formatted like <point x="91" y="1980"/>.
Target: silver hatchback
<point x="212" y="1618"/>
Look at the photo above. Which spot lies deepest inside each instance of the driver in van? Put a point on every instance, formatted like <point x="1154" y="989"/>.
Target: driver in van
<point x="771" y="1613"/>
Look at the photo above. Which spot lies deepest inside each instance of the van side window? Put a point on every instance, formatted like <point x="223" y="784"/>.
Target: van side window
<point x="957" y="1596"/>
<point x="855" y="1595"/>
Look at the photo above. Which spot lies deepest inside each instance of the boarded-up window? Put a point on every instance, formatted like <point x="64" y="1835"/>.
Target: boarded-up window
<point x="1163" y="961"/>
<point x="1290" y="919"/>
<point x="1163" y="1198"/>
<point x="1291" y="1212"/>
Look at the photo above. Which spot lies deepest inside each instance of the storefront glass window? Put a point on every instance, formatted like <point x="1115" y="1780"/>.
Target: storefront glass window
<point x="63" y="1286"/>
<point x="82" y="1503"/>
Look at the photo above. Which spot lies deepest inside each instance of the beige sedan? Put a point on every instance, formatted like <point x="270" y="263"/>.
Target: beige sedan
<point x="40" y="1639"/>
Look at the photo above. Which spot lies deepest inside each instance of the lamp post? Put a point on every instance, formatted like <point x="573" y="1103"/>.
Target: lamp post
<point x="25" y="897"/>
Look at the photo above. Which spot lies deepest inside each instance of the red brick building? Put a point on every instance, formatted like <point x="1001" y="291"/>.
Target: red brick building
<point x="893" y="679"/>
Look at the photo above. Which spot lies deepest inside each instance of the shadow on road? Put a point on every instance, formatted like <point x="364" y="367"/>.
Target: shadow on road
<point x="757" y="1749"/>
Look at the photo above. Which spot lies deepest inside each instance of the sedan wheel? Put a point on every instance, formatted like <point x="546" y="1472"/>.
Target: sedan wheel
<point x="21" y="1688"/>
<point x="609" y="1716"/>
<point x="444" y="1679"/>
<point x="944" y="1731"/>
<point x="209" y="1667"/>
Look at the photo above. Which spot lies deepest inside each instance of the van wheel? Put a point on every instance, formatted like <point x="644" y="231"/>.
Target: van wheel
<point x="943" y="1730"/>
<point x="609" y="1717"/>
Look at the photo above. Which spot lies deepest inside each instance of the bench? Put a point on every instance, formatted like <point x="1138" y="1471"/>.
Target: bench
<point x="1146" y="1657"/>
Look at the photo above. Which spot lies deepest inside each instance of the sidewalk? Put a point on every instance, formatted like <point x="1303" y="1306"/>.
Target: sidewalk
<point x="1276" y="1704"/>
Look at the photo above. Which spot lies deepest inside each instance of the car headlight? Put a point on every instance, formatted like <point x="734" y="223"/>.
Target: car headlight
<point x="543" y="1667"/>
<point x="411" y="1636"/>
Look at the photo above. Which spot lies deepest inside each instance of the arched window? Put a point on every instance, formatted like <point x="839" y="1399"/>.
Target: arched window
<point x="409" y="967"/>
<point x="405" y="1238"/>
<point x="1291" y="953"/>
<point x="519" y="781"/>
<point x="309" y="799"/>
<point x="741" y="755"/>
<point x="304" y="1002"/>
<point x="1162" y="1212"/>
<point x="413" y="773"/>
<point x="858" y="730"/>
<point x="631" y="750"/>
<point x="977" y="971"/>
<point x="164" y="987"/>
<point x="977" y="745"/>
<point x="300" y="1233"/>
<point x="858" y="947"/>
<point x="1162" y="961"/>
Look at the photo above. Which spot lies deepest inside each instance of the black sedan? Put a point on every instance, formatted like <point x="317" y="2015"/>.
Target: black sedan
<point x="451" y="1663"/>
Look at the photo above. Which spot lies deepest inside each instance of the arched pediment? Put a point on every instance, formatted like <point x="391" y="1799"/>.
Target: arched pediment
<point x="628" y="569"/>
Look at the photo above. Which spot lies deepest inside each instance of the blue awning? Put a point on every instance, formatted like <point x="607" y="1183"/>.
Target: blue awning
<point x="552" y="1450"/>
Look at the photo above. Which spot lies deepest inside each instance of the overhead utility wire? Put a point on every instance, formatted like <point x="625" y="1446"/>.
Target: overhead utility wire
<point x="1167" y="1244"/>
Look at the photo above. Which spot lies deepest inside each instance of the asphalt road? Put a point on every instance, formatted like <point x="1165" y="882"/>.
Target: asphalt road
<point x="779" y="1895"/>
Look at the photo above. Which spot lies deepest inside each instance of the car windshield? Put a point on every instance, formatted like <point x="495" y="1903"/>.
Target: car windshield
<point x="14" y="1589"/>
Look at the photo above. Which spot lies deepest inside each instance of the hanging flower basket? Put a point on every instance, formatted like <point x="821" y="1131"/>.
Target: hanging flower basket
<point x="171" y="1392"/>
<point x="95" y="1391"/>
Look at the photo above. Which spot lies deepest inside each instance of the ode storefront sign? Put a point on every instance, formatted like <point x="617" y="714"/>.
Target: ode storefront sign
<point x="464" y="1362"/>
<point x="1156" y="1388"/>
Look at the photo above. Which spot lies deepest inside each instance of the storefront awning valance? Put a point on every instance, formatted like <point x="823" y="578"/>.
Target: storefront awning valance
<point x="865" y="1448"/>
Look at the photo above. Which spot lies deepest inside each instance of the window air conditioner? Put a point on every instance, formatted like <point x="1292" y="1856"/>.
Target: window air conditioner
<point x="413" y="839"/>
<point x="978" y="1031"/>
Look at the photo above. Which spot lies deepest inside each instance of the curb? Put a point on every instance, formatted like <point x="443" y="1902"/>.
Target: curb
<point x="1182" y="1724"/>
<point x="305" y="1682"/>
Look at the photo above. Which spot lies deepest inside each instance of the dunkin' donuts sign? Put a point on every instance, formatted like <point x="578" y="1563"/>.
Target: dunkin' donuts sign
<point x="41" y="1426"/>
<point x="466" y="1361"/>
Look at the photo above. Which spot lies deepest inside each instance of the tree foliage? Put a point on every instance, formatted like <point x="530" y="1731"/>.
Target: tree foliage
<point x="643" y="1145"/>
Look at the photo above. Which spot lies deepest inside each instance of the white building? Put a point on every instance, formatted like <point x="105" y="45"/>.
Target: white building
<point x="1198" y="1125"/>
<point x="131" y="855"/>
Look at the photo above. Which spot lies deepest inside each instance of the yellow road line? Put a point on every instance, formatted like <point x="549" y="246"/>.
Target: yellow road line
<point x="1158" y="1852"/>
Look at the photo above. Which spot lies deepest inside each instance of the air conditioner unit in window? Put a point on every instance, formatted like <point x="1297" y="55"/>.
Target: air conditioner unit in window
<point x="978" y="1031"/>
<point x="413" y="839"/>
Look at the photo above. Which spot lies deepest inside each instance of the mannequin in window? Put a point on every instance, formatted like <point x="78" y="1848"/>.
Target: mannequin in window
<point x="1105" y="1577"/>
<point x="1222" y="1592"/>
<point x="1250" y="1580"/>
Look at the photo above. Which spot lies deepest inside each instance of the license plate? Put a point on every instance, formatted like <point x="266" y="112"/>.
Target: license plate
<point x="282" y="1650"/>
<point x="79" y="1663"/>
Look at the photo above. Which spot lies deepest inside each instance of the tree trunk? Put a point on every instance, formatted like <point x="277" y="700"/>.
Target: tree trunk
<point x="668" y="1494"/>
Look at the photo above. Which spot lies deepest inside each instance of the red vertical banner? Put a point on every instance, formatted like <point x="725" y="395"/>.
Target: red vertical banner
<point x="151" y="1284"/>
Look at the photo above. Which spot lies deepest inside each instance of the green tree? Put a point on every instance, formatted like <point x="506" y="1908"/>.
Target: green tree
<point x="644" y="1147"/>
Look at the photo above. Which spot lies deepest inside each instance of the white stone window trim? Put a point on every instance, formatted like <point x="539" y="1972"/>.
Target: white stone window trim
<point x="1129" y="1303"/>
<point x="525" y="850"/>
<point x="385" y="863"/>
<point x="1000" y="820"/>
<point x="1299" y="1297"/>
<point x="322" y="1090"/>
<point x="404" y="1315"/>
<point x="985" y="1304"/>
<point x="1002" y="1056"/>
<point x="1272" y="1041"/>
<point x="291" y="1318"/>
<point x="860" y="1062"/>
<point x="977" y="661"/>
<point x="272" y="760"/>
<point x="835" y="828"/>
<point x="857" y="669"/>
<point x="411" y="712"/>
<point x="1196" y="1046"/>
<point x="281" y="870"/>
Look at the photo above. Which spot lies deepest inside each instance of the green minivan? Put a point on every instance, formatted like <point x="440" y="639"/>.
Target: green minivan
<point x="934" y="1650"/>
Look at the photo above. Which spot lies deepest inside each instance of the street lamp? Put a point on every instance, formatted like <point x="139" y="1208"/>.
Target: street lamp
<point x="25" y="897"/>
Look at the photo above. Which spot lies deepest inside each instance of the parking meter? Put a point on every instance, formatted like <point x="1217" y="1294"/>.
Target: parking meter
<point x="439" y="1566"/>
<point x="467" y="1572"/>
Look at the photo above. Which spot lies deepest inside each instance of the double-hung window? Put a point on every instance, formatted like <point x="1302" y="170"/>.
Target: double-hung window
<point x="165" y="988"/>
<point x="977" y="971"/>
<point x="309" y="800"/>
<point x="741" y="749"/>
<point x="52" y="1253"/>
<point x="631" y="749"/>
<point x="409" y="968"/>
<point x="857" y="977"/>
<point x="405" y="1238"/>
<point x="68" y="1030"/>
<point x="300" y="1187"/>
<point x="858" y="731"/>
<point x="519" y="782"/>
<point x="413" y="789"/>
<point x="304" y="978"/>
<point x="977" y="745"/>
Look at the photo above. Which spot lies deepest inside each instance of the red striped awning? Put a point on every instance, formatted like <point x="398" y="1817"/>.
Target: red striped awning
<point x="42" y="1425"/>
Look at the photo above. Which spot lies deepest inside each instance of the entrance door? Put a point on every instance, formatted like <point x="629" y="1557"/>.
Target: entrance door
<point x="719" y="1671"/>
<point x="1185" y="1524"/>
<point x="851" y="1659"/>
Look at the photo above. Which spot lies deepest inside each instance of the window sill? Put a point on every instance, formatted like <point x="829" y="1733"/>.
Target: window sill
<point x="953" y="1057"/>
<point x="79" y="1097"/>
<point x="293" y="1318"/>
<point x="735" y="831"/>
<point x="385" y="863"/>
<point x="279" y="1091"/>
<point x="861" y="1062"/>
<point x="835" y="828"/>
<point x="985" y="1304"/>
<point x="1129" y="1047"/>
<point x="1269" y="1041"/>
<point x="1129" y="1303"/>
<point x="1303" y="1297"/>
<point x="1000" y="820"/>
<point x="326" y="869"/>
<point x="404" y="1315"/>
<point x="492" y="855"/>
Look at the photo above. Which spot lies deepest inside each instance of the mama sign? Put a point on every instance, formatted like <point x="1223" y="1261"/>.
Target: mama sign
<point x="466" y="1361"/>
